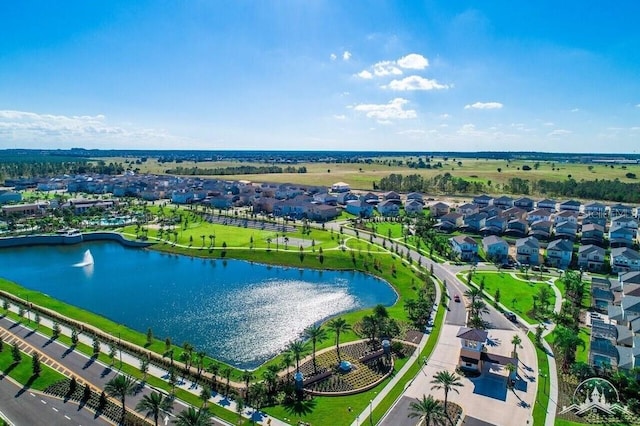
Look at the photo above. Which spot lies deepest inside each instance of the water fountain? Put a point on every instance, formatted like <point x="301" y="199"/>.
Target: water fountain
<point x="87" y="260"/>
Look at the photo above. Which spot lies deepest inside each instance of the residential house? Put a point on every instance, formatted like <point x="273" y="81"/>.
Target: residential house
<point x="450" y="221"/>
<point x="559" y="253"/>
<point x="566" y="216"/>
<point x="343" y="197"/>
<point x="627" y="222"/>
<point x="620" y="210"/>
<point x="391" y="195"/>
<point x="524" y="203"/>
<point x="482" y="200"/>
<point x="541" y="229"/>
<point x="439" y="209"/>
<point x="479" y="357"/>
<point x="495" y="248"/>
<point x="595" y="219"/>
<point x="570" y="205"/>
<point x="325" y="198"/>
<point x="416" y="196"/>
<point x="503" y="202"/>
<point x="624" y="259"/>
<point x="321" y="212"/>
<point x="388" y="208"/>
<point x="539" y="214"/>
<point x="475" y="222"/>
<point x="517" y="227"/>
<point x="601" y="294"/>
<point x="567" y="230"/>
<point x="491" y="211"/>
<point x="8" y="196"/>
<point x="547" y="203"/>
<point x="596" y="209"/>
<point x="340" y="187"/>
<point x="413" y="207"/>
<point x="222" y="201"/>
<point x="371" y="198"/>
<point x="592" y="234"/>
<point x="528" y="251"/>
<point x="468" y="209"/>
<point x="30" y="209"/>
<point x="515" y="213"/>
<point x="591" y="257"/>
<point x="359" y="207"/>
<point x="495" y="225"/>
<point x="464" y="247"/>
<point x="621" y="236"/>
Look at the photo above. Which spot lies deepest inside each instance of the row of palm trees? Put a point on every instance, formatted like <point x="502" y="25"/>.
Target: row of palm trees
<point x="154" y="404"/>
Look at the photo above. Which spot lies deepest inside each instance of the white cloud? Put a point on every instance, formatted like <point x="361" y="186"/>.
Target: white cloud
<point x="365" y="74"/>
<point x="413" y="133"/>
<point x="444" y="116"/>
<point x="31" y="128"/>
<point x="384" y="113"/>
<point x="559" y="132"/>
<point x="484" y="105"/>
<point x="413" y="61"/>
<point x="333" y="57"/>
<point x="575" y="110"/>
<point x="384" y="68"/>
<point x="340" y="116"/>
<point x="346" y="55"/>
<point x="415" y="82"/>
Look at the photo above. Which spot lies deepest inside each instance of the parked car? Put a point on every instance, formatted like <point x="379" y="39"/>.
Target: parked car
<point x="511" y="316"/>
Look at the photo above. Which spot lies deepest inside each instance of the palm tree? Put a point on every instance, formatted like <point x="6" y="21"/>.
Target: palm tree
<point x="227" y="375"/>
<point x="338" y="325"/>
<point x="510" y="368"/>
<point x="270" y="377"/>
<point x="154" y="404"/>
<point x="205" y="394"/>
<point x="287" y="361"/>
<point x="566" y="341"/>
<point x="473" y="294"/>
<point x="446" y="381"/>
<point x="193" y="417"/>
<point x="515" y="342"/>
<point x="297" y="348"/>
<point x="429" y="410"/>
<point x="316" y="334"/>
<point x="214" y="369"/>
<point x="247" y="376"/>
<point x="120" y="387"/>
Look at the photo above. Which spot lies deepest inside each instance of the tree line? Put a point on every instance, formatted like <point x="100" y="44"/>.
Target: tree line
<point x="239" y="170"/>
<point x="599" y="189"/>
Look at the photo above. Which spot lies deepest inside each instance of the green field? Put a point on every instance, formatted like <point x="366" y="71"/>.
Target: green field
<point x="542" y="394"/>
<point x="515" y="295"/>
<point x="362" y="176"/>
<point x="23" y="373"/>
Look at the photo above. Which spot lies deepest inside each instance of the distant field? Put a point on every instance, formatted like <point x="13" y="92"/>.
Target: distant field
<point x="362" y="176"/>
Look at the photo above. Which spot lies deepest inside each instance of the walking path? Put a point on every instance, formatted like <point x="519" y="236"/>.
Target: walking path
<point x="161" y="373"/>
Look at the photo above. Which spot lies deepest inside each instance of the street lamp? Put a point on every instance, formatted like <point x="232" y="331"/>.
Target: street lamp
<point x="120" y="348"/>
<point x="371" y="411"/>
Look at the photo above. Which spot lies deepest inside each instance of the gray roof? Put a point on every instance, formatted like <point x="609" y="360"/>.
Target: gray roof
<point x="631" y="304"/>
<point x="562" y="245"/>
<point x="626" y="359"/>
<point x="528" y="241"/>
<point x="492" y="239"/>
<point x="632" y="277"/>
<point x="472" y="334"/>
<point x="590" y="248"/>
<point x="625" y="251"/>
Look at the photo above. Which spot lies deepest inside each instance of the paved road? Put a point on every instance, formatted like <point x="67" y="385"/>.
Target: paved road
<point x="76" y="363"/>
<point x="35" y="409"/>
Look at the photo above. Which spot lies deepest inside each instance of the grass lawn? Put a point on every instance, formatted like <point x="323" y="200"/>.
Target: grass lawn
<point x="542" y="395"/>
<point x="23" y="372"/>
<point x="582" y="354"/>
<point x="516" y="295"/>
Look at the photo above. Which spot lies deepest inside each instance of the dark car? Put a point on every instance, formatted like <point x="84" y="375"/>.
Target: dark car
<point x="456" y="298"/>
<point x="511" y="316"/>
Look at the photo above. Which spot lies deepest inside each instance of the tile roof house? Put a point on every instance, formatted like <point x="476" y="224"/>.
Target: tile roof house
<point x="620" y="210"/>
<point x="450" y="221"/>
<point x="591" y="257"/>
<point x="482" y="200"/>
<point x="559" y="253"/>
<point x="359" y="208"/>
<point x="621" y="236"/>
<point x="495" y="225"/>
<point x="464" y="247"/>
<point x="388" y="208"/>
<point x="539" y="214"/>
<point x="567" y="230"/>
<point x="517" y="227"/>
<point x="592" y="234"/>
<point x="439" y="209"/>
<point x="528" y="251"/>
<point x="571" y="205"/>
<point x="541" y="229"/>
<point x="468" y="209"/>
<point x="476" y="355"/>
<point x="475" y="222"/>
<point x="595" y="208"/>
<point x="503" y="202"/>
<point x="413" y="207"/>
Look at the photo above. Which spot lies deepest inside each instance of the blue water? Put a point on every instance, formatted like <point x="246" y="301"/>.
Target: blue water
<point x="238" y="312"/>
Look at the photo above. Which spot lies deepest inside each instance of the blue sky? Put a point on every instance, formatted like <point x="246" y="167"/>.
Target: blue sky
<point x="321" y="75"/>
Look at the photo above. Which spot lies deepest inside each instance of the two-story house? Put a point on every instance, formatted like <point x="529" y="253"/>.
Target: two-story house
<point x="468" y="209"/>
<point x="528" y="251"/>
<point x="451" y="221"/>
<point x="620" y="210"/>
<point x="541" y="229"/>
<point x="592" y="234"/>
<point x="539" y="214"/>
<point x="495" y="248"/>
<point x="621" y="236"/>
<point x="495" y="225"/>
<point x="570" y="205"/>
<point x="413" y="207"/>
<point x="624" y="259"/>
<point x="591" y="258"/>
<point x="476" y="357"/>
<point x="464" y="247"/>
<point x="503" y="202"/>
<point x="595" y="208"/>
<point x="547" y="204"/>
<point x="524" y="203"/>
<point x="517" y="227"/>
<point x="482" y="200"/>
<point x="559" y="253"/>
<point x="475" y="222"/>
<point x="566" y="230"/>
<point x="360" y="207"/>
<point x="439" y="209"/>
<point x="388" y="208"/>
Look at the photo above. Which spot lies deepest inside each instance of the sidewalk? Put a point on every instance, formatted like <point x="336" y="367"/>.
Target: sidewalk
<point x="154" y="370"/>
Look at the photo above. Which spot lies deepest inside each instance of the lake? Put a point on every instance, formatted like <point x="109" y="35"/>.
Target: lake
<point x="239" y="312"/>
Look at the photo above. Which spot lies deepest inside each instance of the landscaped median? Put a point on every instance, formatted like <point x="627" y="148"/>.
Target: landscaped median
<point x="544" y="386"/>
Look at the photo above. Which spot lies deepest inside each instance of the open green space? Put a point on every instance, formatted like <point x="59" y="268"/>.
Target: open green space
<point x="542" y="394"/>
<point x="582" y="353"/>
<point x="23" y="371"/>
<point x="515" y="294"/>
<point x="363" y="175"/>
